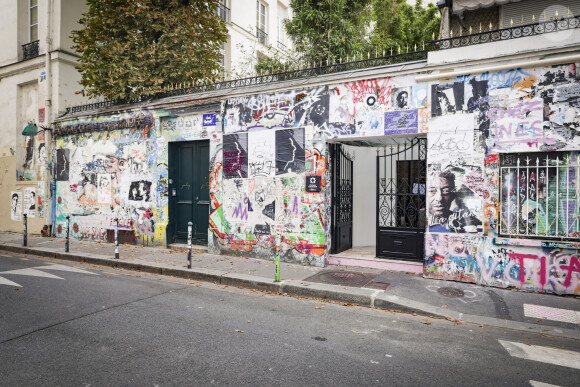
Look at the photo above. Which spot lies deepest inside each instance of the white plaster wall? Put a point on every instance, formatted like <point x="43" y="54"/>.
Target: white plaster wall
<point x="364" y="195"/>
<point x="554" y="40"/>
<point x="66" y="21"/>
<point x="67" y="78"/>
<point x="242" y="32"/>
<point x="9" y="32"/>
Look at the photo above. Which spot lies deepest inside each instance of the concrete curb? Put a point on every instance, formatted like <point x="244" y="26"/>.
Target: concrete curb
<point x="359" y="296"/>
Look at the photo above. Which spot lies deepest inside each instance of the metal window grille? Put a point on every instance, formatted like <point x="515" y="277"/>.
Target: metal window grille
<point x="540" y="195"/>
<point x="262" y="36"/>
<point x="30" y="50"/>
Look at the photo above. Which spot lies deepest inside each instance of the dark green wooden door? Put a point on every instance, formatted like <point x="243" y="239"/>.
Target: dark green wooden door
<point x="189" y="190"/>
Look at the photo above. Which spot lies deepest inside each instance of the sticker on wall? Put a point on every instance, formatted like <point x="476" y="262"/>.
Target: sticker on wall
<point x="209" y="119"/>
<point x="401" y="122"/>
<point x="419" y="96"/>
<point x="451" y="140"/>
<point x="29" y="204"/>
<point x="62" y="164"/>
<point x="447" y="99"/>
<point x="236" y="156"/>
<point x="41" y="154"/>
<point x="261" y="154"/>
<point x="402" y="97"/>
<point x="104" y="188"/>
<point x="40" y="199"/>
<point x="140" y="191"/>
<point x="313" y="183"/>
<point x="290" y="151"/>
<point x="16" y="206"/>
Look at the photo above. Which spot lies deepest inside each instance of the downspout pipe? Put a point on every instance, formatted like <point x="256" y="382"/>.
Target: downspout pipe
<point x="49" y="214"/>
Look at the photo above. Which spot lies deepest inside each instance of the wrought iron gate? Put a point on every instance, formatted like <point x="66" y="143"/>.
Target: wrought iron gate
<point x="341" y="186"/>
<point x="401" y="209"/>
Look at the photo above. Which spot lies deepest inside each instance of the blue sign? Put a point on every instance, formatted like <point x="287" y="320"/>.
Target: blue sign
<point x="209" y="119"/>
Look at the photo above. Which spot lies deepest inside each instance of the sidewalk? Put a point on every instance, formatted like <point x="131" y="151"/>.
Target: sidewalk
<point x="403" y="292"/>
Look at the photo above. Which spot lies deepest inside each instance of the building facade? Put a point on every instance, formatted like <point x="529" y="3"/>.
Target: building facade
<point x="38" y="80"/>
<point x="463" y="159"/>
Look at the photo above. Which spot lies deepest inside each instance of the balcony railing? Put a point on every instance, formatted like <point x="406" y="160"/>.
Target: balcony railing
<point x="30" y="50"/>
<point x="512" y="32"/>
<point x="223" y="12"/>
<point x="262" y="36"/>
<point x="281" y="45"/>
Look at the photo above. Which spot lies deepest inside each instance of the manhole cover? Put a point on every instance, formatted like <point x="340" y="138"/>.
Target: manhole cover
<point x="451" y="292"/>
<point x="344" y="278"/>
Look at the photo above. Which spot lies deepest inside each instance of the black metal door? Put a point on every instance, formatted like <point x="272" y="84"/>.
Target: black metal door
<point x="401" y="187"/>
<point x="341" y="186"/>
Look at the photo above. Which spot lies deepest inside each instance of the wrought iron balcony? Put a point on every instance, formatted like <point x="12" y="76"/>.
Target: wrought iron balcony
<point x="223" y="12"/>
<point x="512" y="32"/>
<point x="262" y="36"/>
<point x="30" y="50"/>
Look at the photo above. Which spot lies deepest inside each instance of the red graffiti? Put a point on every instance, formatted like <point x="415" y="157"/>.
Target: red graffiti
<point x="574" y="266"/>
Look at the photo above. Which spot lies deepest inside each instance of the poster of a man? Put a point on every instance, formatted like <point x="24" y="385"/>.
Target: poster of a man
<point x="402" y="98"/>
<point x="29" y="203"/>
<point x="447" y="210"/>
<point x="16" y="206"/>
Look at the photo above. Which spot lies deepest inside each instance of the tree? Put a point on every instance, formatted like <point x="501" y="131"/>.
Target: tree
<point x="327" y="30"/>
<point x="130" y="49"/>
<point x="398" y="24"/>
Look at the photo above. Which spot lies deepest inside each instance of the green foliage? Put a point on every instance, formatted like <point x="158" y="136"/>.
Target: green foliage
<point x="327" y="30"/>
<point x="398" y="24"/>
<point x="130" y="49"/>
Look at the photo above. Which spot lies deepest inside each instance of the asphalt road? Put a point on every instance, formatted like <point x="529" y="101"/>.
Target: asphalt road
<point x="65" y="324"/>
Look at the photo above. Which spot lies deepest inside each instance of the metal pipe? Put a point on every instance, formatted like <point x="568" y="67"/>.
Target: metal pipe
<point x="25" y="233"/>
<point x="116" y="238"/>
<point x="67" y="240"/>
<point x="189" y="229"/>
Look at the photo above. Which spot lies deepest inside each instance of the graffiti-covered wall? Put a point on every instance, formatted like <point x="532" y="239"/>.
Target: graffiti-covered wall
<point x="270" y="178"/>
<point x="116" y="167"/>
<point x="504" y="176"/>
<point x="503" y="171"/>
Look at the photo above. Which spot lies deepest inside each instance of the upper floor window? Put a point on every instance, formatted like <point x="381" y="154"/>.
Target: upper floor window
<point x="33" y="20"/>
<point x="261" y="22"/>
<point x="282" y="16"/>
<point x="539" y="195"/>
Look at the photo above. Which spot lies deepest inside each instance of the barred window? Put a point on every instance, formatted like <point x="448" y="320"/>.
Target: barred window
<point x="539" y="195"/>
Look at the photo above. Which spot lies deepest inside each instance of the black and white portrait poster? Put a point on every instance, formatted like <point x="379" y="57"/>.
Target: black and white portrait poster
<point x="290" y="154"/>
<point x="29" y="205"/>
<point x="16" y="206"/>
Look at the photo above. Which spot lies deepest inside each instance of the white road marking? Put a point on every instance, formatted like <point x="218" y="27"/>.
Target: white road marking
<point x="64" y="268"/>
<point x="541" y="384"/>
<point x="31" y="272"/>
<point x="4" y="281"/>
<point x="549" y="313"/>
<point x="560" y="357"/>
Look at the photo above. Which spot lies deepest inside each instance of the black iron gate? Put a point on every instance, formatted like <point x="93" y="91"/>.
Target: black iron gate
<point x="341" y="186"/>
<point x="401" y="187"/>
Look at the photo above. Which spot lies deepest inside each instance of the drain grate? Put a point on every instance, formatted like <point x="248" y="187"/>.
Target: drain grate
<point x="451" y="292"/>
<point x="344" y="278"/>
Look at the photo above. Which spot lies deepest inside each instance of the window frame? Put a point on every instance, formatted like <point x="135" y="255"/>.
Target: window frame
<point x="32" y="6"/>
